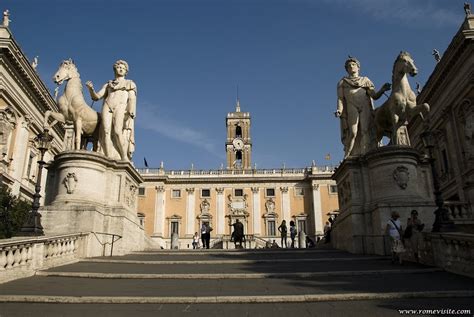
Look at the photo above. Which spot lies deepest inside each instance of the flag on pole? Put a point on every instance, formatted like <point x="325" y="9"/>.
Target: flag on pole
<point x="144" y="161"/>
<point x="328" y="157"/>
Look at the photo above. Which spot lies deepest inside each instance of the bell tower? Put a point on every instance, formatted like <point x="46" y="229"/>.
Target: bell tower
<point x="238" y="145"/>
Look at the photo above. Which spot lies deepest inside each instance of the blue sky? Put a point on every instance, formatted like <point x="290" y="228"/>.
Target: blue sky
<point x="187" y="58"/>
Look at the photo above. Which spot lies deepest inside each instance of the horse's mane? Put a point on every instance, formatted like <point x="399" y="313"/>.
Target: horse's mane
<point x="69" y="63"/>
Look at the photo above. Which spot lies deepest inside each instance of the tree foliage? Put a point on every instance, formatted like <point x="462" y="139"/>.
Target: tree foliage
<point x="13" y="212"/>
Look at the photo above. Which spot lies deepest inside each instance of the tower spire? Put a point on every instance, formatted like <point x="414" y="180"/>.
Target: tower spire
<point x="237" y="105"/>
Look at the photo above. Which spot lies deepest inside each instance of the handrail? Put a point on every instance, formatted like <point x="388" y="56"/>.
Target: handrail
<point x="106" y="243"/>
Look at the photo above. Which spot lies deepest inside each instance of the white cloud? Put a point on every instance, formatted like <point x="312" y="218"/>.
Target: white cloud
<point x="416" y="13"/>
<point x="150" y="119"/>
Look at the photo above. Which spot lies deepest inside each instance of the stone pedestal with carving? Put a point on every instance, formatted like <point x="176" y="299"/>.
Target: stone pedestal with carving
<point x="88" y="192"/>
<point x="370" y="187"/>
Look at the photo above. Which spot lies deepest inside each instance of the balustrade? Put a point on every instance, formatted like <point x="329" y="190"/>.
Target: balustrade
<point x="36" y="253"/>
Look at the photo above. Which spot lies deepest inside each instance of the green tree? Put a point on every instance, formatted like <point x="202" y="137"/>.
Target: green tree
<point x="13" y="212"/>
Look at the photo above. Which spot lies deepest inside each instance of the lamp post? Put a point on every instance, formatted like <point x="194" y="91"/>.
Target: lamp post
<point x="33" y="226"/>
<point x="442" y="221"/>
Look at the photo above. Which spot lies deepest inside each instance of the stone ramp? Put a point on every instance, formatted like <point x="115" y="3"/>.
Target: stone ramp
<point x="223" y="278"/>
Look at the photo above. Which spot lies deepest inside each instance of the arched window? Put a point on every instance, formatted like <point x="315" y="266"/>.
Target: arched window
<point x="238" y="132"/>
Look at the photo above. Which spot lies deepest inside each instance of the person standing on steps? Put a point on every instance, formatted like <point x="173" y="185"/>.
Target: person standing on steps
<point x="284" y="232"/>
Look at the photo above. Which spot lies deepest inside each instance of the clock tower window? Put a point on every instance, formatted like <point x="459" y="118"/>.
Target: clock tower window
<point x="238" y="132"/>
<point x="238" y="159"/>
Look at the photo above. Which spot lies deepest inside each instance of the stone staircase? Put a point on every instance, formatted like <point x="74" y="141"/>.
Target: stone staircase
<point x="274" y="282"/>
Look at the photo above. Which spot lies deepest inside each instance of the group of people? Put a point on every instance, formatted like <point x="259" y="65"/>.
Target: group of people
<point x="398" y="236"/>
<point x="205" y="237"/>
<point x="283" y="229"/>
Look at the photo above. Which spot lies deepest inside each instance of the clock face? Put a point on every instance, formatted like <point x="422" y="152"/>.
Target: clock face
<point x="238" y="144"/>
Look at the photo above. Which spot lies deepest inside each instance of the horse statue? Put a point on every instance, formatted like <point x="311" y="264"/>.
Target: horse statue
<point x="401" y="106"/>
<point x="73" y="107"/>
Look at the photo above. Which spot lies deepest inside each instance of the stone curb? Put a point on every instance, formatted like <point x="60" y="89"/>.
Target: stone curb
<point x="231" y="261"/>
<point x="232" y="252"/>
<point x="231" y="299"/>
<point x="232" y="275"/>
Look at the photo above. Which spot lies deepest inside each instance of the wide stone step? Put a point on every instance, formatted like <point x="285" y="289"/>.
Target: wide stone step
<point x="434" y="282"/>
<point x="147" y="267"/>
<point x="235" y="256"/>
<point x="375" y="307"/>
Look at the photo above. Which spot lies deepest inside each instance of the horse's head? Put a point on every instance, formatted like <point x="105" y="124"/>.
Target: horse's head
<point x="405" y="64"/>
<point x="66" y="71"/>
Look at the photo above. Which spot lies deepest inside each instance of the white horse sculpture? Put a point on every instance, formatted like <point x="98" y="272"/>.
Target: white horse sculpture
<point x="401" y="106"/>
<point x="74" y="108"/>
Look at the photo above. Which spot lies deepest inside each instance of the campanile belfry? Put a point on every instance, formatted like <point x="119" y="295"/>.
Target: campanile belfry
<point x="238" y="144"/>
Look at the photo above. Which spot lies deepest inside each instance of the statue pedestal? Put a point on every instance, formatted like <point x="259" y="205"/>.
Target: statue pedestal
<point x="88" y="192"/>
<point x="370" y="187"/>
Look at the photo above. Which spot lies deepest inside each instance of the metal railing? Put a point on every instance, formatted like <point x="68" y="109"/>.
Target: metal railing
<point x="104" y="244"/>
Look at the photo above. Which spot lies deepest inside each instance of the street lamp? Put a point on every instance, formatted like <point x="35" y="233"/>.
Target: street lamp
<point x="33" y="226"/>
<point x="442" y="221"/>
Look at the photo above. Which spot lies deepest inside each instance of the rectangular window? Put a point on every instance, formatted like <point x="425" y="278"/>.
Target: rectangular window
<point x="205" y="193"/>
<point x="175" y="227"/>
<point x="445" y="160"/>
<point x="333" y="189"/>
<point x="176" y="193"/>
<point x="271" y="228"/>
<point x="270" y="192"/>
<point x="299" y="191"/>
<point x="302" y="225"/>
<point x="238" y="192"/>
<point x="141" y="191"/>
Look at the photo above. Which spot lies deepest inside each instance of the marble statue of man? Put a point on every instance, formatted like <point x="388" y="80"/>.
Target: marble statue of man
<point x="355" y="96"/>
<point x="118" y="113"/>
<point x="6" y="18"/>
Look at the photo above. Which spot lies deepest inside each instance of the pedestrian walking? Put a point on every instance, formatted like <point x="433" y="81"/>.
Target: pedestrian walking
<point x="196" y="241"/>
<point x="394" y="231"/>
<point x="413" y="234"/>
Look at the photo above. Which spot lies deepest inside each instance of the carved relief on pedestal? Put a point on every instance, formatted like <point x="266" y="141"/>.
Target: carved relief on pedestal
<point x="344" y="192"/>
<point x="70" y="182"/>
<point x="401" y="176"/>
<point x="130" y="193"/>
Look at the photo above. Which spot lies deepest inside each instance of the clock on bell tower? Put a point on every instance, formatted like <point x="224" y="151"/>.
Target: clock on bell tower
<point x="238" y="145"/>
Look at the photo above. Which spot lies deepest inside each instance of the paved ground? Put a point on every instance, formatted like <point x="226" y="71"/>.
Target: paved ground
<point x="249" y="283"/>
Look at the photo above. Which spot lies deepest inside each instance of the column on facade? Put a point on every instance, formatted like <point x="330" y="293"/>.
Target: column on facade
<point x="257" y="227"/>
<point x="317" y="210"/>
<point x="229" y="157"/>
<point x="220" y="213"/>
<point x="190" y="212"/>
<point x="20" y="152"/>
<point x="159" y="225"/>
<point x="285" y="204"/>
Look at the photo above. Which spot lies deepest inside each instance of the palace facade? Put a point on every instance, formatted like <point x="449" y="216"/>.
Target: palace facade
<point x="24" y="99"/>
<point x="180" y="201"/>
